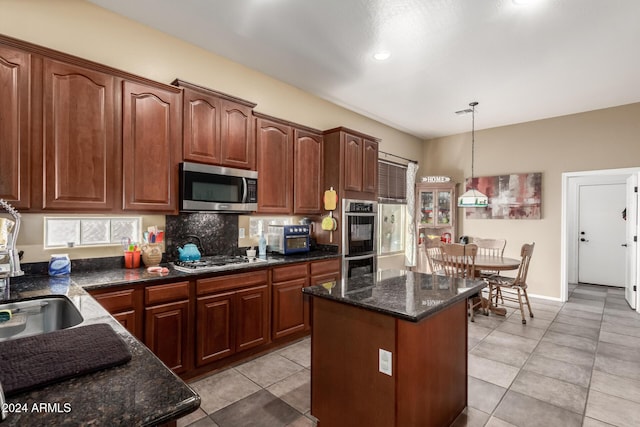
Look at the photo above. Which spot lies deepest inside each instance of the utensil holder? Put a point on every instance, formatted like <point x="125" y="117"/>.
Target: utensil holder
<point x="151" y="254"/>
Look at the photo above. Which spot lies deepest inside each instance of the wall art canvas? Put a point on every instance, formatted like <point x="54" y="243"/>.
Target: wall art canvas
<point x="515" y="196"/>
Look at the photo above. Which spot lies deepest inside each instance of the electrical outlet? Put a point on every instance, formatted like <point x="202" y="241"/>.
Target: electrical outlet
<point x="241" y="233"/>
<point x="385" y="362"/>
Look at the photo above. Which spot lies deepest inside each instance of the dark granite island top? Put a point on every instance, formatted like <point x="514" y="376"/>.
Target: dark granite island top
<point x="142" y="392"/>
<point x="398" y="293"/>
<point x="389" y="349"/>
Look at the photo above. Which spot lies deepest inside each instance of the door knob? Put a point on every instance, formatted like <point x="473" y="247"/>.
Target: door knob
<point x="624" y="244"/>
<point x="583" y="240"/>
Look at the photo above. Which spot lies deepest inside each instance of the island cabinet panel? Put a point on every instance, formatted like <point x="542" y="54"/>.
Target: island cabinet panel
<point x="151" y="140"/>
<point x="80" y="142"/>
<point x="232" y="315"/>
<point x="288" y="299"/>
<point x="347" y="388"/>
<point x="218" y="128"/>
<point x="15" y="73"/>
<point x="308" y="172"/>
<point x="433" y="387"/>
<point x="125" y="305"/>
<point x="275" y="166"/>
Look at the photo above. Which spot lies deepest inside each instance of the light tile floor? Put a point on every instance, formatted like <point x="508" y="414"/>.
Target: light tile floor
<point x="573" y="364"/>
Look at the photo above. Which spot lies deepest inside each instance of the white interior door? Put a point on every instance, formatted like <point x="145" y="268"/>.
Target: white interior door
<point x="602" y="234"/>
<point x="631" y="279"/>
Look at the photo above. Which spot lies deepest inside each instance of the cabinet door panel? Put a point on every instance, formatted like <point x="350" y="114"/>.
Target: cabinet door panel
<point x="201" y="128"/>
<point x="79" y="139"/>
<point x="353" y="163"/>
<point x="128" y="320"/>
<point x="275" y="158"/>
<point x="308" y="172"/>
<point x="288" y="307"/>
<point x="151" y="142"/>
<point x="370" y="167"/>
<point x="238" y="143"/>
<point x="215" y="327"/>
<point x="252" y="317"/>
<point x="14" y="127"/>
<point x="166" y="333"/>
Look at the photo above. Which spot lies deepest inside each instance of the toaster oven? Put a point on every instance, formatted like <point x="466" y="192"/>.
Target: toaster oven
<point x="288" y="239"/>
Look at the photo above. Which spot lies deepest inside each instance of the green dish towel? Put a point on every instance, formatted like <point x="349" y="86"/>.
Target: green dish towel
<point x="37" y="361"/>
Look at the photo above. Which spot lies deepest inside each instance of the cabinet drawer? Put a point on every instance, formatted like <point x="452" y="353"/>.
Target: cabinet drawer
<point x="221" y="283"/>
<point x="165" y="293"/>
<point x="117" y="301"/>
<point x="325" y="267"/>
<point x="280" y="274"/>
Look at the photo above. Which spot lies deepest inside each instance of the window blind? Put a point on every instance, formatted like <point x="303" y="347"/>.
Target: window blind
<point x="392" y="182"/>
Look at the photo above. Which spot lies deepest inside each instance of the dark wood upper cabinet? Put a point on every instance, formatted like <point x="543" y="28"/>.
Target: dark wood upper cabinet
<point x="275" y="166"/>
<point x="290" y="171"/>
<point x="370" y="167"/>
<point x="15" y="123"/>
<point x="80" y="147"/>
<point x="218" y="128"/>
<point x="351" y="163"/>
<point x="307" y="172"/>
<point x="151" y="142"/>
<point x="353" y="149"/>
<point x="238" y="146"/>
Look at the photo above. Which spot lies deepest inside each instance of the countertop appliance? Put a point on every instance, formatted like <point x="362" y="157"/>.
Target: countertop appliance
<point x="288" y="239"/>
<point x="212" y="263"/>
<point x="215" y="188"/>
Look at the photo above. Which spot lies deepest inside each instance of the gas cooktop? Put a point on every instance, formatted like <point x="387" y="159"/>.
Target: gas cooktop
<point x="212" y="263"/>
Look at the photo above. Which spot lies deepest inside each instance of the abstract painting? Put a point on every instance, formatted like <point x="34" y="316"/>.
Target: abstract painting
<point x="515" y="196"/>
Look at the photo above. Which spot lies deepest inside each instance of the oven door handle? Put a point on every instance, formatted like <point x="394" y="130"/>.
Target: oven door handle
<point x="372" y="214"/>
<point x="355" y="258"/>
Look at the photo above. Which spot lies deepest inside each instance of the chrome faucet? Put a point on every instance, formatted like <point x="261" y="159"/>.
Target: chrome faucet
<point x="12" y="237"/>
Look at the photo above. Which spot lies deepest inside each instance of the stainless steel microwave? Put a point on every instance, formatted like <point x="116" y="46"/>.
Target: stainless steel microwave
<point x="216" y="188"/>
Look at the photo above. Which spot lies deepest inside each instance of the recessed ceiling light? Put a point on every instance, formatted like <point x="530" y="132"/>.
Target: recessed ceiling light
<point x="382" y="55"/>
<point x="523" y="2"/>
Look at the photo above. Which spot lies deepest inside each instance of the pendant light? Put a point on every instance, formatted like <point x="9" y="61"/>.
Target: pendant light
<point x="472" y="198"/>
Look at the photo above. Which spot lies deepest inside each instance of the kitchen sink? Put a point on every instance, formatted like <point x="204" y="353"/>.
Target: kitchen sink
<point x="38" y="316"/>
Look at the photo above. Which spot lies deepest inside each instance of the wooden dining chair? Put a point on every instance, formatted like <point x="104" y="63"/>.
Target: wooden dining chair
<point x="491" y="248"/>
<point x="514" y="287"/>
<point x="432" y="250"/>
<point x="458" y="261"/>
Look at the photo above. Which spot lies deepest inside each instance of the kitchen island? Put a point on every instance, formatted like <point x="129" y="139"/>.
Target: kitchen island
<point x="389" y="349"/>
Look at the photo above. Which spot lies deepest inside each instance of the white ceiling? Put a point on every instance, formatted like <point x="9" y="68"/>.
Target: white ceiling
<point x="521" y="63"/>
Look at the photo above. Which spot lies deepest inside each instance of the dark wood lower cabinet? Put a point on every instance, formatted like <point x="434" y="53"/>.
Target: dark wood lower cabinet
<point x="232" y="315"/>
<point x="215" y="331"/>
<point x="125" y="305"/>
<point x="201" y="325"/>
<point x="166" y="333"/>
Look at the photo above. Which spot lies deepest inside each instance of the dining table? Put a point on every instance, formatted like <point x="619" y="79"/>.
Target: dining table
<point x="490" y="263"/>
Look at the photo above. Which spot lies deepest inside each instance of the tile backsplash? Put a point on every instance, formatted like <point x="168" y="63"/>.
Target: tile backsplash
<point x="214" y="234"/>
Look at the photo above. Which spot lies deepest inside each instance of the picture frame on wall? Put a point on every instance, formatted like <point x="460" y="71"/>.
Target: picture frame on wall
<point x="514" y="196"/>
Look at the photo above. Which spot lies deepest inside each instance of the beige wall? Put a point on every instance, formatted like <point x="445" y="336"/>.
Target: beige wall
<point x="85" y="30"/>
<point x="602" y="139"/>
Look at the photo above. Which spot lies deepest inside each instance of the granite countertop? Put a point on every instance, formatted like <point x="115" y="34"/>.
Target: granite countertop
<point x="142" y="392"/>
<point x="109" y="277"/>
<point x="402" y="294"/>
